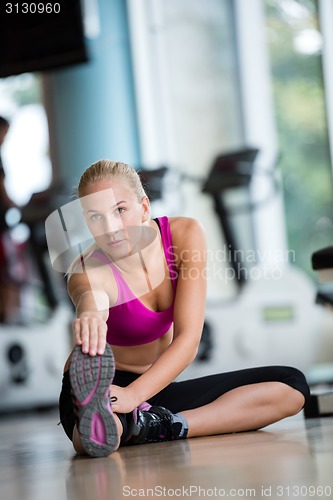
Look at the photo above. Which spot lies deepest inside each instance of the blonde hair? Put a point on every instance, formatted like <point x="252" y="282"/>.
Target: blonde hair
<point x="100" y="170"/>
<point x="106" y="169"/>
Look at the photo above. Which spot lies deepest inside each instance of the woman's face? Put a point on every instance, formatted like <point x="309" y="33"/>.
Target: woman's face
<point x="114" y="216"/>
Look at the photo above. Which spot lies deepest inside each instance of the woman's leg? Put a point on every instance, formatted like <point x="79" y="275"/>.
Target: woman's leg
<point x="229" y="402"/>
<point x="236" y="401"/>
<point x="243" y="409"/>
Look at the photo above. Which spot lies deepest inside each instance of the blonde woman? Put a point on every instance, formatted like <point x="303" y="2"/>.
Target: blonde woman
<point x="139" y="295"/>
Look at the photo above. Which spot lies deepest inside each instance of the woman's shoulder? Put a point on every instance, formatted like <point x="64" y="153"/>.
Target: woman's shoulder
<point x="93" y="269"/>
<point x="186" y="231"/>
<point x="187" y="224"/>
<point x="95" y="277"/>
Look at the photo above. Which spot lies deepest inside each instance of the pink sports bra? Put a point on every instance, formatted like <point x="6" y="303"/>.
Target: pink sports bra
<point x="130" y="322"/>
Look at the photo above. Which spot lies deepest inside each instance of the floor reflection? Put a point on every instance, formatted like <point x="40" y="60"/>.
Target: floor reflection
<point x="254" y="460"/>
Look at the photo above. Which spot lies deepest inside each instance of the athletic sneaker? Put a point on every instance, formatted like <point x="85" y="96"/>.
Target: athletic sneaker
<point x="158" y="424"/>
<point x="90" y="378"/>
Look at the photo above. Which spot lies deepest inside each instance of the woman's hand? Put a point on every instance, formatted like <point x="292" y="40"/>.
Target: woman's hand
<point x="90" y="332"/>
<point x="126" y="400"/>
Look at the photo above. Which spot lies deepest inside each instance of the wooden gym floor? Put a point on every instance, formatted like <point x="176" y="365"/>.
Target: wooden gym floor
<point x="291" y="459"/>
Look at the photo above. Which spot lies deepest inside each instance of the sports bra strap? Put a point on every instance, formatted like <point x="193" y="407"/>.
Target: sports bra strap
<point x="168" y="247"/>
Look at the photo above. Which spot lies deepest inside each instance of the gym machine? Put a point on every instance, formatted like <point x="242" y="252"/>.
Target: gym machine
<point x="34" y="351"/>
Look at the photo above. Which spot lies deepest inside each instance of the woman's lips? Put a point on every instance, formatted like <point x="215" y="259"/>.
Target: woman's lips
<point x="113" y="243"/>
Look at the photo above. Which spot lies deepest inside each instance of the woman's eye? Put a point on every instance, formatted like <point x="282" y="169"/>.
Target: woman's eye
<point x="95" y="217"/>
<point x="121" y="210"/>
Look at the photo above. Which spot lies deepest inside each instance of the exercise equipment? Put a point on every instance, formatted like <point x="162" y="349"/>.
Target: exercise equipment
<point x="273" y="318"/>
<point x="321" y="400"/>
<point x="32" y="354"/>
<point x="32" y="360"/>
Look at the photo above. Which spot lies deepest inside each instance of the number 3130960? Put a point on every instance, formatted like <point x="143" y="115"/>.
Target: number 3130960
<point x="32" y="8"/>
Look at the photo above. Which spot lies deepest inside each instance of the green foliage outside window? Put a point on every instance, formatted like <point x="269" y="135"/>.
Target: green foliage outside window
<point x="297" y="79"/>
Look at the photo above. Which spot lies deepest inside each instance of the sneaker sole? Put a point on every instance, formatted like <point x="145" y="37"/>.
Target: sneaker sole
<point x="91" y="377"/>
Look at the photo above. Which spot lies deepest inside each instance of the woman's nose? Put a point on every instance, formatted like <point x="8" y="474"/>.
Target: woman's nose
<point x="113" y="224"/>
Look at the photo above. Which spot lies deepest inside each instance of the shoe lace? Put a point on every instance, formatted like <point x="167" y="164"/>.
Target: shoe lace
<point x="161" y="424"/>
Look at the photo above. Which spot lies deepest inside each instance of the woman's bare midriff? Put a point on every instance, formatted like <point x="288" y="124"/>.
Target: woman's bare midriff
<point x="137" y="359"/>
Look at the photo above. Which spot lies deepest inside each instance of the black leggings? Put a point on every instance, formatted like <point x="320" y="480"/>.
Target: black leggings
<point x="190" y="394"/>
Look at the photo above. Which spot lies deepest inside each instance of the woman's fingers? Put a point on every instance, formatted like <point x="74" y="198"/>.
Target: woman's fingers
<point x="77" y="331"/>
<point x="90" y="333"/>
<point x="85" y="335"/>
<point x="102" y="338"/>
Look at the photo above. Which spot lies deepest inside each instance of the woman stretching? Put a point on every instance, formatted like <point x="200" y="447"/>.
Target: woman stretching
<point x="139" y="294"/>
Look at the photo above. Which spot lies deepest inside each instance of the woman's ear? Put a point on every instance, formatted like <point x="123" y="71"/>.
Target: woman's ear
<point x="145" y="208"/>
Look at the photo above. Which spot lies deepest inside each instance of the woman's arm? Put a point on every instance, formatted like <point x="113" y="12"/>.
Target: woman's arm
<point x="189" y="244"/>
<point x="92" y="310"/>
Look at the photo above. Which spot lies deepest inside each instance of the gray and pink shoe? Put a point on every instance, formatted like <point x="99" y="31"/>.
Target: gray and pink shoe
<point x="90" y="378"/>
